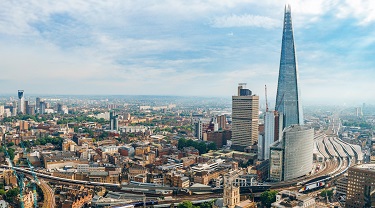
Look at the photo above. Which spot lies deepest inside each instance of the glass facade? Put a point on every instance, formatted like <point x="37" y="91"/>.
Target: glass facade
<point x="288" y="95"/>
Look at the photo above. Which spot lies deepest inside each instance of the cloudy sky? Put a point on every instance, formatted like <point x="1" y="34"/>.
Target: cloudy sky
<point x="179" y="47"/>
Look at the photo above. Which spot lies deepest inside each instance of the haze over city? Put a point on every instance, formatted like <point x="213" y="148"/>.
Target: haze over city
<point x="199" y="48"/>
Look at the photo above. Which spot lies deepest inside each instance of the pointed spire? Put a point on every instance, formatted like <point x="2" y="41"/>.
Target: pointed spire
<point x="288" y="96"/>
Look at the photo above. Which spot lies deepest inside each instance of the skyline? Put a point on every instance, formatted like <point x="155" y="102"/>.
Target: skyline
<point x="134" y="47"/>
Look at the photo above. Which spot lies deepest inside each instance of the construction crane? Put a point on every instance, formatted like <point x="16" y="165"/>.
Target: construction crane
<point x="19" y="176"/>
<point x="36" y="181"/>
<point x="265" y="92"/>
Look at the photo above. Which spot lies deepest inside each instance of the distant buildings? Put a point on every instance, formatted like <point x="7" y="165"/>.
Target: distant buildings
<point x="361" y="186"/>
<point x="245" y="112"/>
<point x="292" y="157"/>
<point x="288" y="100"/>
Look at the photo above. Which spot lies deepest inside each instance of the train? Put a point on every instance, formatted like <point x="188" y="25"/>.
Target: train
<point x="321" y="181"/>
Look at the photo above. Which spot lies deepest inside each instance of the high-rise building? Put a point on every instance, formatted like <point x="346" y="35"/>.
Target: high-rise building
<point x="42" y="107"/>
<point x="245" y="116"/>
<point x="292" y="157"/>
<point x="361" y="186"/>
<point x="288" y="100"/>
<point x="199" y="129"/>
<point x="14" y="108"/>
<point x="113" y="118"/>
<point x="21" y="102"/>
<point x="222" y="121"/>
<point x="272" y="133"/>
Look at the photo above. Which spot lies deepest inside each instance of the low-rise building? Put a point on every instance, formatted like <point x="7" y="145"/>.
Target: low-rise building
<point x="287" y="198"/>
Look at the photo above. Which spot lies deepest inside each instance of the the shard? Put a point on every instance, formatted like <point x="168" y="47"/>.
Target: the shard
<point x="288" y="100"/>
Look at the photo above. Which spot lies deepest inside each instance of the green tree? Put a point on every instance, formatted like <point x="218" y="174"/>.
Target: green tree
<point x="185" y="204"/>
<point x="12" y="193"/>
<point x="181" y="143"/>
<point x="10" y="144"/>
<point x="207" y="204"/>
<point x="11" y="153"/>
<point x="326" y="193"/>
<point x="268" y="197"/>
<point x="211" y="146"/>
<point x="2" y="192"/>
<point x="201" y="147"/>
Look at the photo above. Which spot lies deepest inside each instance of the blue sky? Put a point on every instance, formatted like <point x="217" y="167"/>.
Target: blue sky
<point x="177" y="47"/>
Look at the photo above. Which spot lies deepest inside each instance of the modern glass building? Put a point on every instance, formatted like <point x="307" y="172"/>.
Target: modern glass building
<point x="292" y="157"/>
<point x="288" y="100"/>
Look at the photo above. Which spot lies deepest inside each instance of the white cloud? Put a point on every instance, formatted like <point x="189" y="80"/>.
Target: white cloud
<point x="362" y="10"/>
<point x="246" y="20"/>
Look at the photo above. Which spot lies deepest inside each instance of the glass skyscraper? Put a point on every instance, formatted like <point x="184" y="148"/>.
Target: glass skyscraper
<point x="288" y="100"/>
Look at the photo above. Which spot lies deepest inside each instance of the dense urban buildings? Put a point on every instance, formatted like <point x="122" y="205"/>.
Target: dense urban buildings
<point x="288" y="99"/>
<point x="216" y="152"/>
<point x="245" y="112"/>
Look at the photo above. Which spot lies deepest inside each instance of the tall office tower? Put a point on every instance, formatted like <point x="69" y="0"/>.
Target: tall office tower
<point x="272" y="132"/>
<point x="361" y="186"/>
<point x="292" y="157"/>
<point x="288" y="100"/>
<point x="30" y="110"/>
<point x="21" y="102"/>
<point x="222" y="121"/>
<point x="245" y="112"/>
<point x="261" y="143"/>
<point x="15" y="108"/>
<point x="42" y="107"/>
<point x="25" y="106"/>
<point x="216" y="124"/>
<point x="37" y="104"/>
<point x="199" y="129"/>
<point x="59" y="108"/>
<point x="113" y="118"/>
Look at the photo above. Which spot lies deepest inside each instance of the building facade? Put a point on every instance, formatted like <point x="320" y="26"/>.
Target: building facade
<point x="361" y="186"/>
<point x="298" y="151"/>
<point x="292" y="157"/>
<point x="288" y="100"/>
<point x="245" y="113"/>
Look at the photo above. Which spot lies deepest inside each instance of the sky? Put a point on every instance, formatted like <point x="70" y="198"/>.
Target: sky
<point x="188" y="48"/>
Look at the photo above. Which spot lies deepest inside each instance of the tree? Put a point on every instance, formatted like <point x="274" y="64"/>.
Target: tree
<point x="12" y="193"/>
<point x="2" y="192"/>
<point x="207" y="204"/>
<point x="326" y="193"/>
<point x="181" y="143"/>
<point x="11" y="153"/>
<point x="201" y="147"/>
<point x="185" y="204"/>
<point x="211" y="146"/>
<point x="268" y="197"/>
<point x="10" y="144"/>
